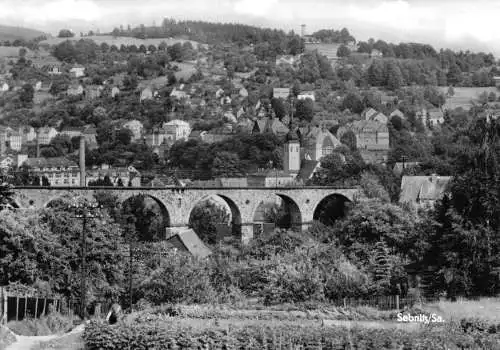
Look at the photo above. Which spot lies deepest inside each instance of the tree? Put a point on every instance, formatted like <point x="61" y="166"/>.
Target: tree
<point x="204" y="220"/>
<point x="349" y="139"/>
<point x="304" y="109"/>
<point x="65" y="33"/>
<point x="145" y="218"/>
<point x="124" y="136"/>
<point x="227" y="164"/>
<point x="6" y="194"/>
<point x="343" y="51"/>
<point x="27" y="94"/>
<point x="394" y="76"/>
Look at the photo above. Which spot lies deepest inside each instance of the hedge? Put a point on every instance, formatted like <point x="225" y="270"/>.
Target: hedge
<point x="168" y="335"/>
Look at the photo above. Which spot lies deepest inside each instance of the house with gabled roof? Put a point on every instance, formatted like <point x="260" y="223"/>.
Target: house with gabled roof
<point x="270" y="125"/>
<point x="423" y="191"/>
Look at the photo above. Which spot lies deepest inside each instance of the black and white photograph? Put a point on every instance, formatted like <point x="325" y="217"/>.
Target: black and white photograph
<point x="249" y="174"/>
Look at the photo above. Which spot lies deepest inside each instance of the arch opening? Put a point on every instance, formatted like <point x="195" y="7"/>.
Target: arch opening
<point x="145" y="218"/>
<point x="215" y="218"/>
<point x="331" y="208"/>
<point x="280" y="212"/>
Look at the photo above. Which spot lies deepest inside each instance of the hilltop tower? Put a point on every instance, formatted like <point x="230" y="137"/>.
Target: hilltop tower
<point x="302" y="30"/>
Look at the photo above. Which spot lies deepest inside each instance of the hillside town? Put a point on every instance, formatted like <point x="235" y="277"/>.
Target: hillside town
<point x="222" y="167"/>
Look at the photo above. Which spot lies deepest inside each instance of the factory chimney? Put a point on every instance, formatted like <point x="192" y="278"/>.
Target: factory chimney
<point x="82" y="162"/>
<point x="38" y="144"/>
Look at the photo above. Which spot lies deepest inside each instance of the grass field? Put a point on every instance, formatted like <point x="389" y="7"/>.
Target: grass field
<point x="12" y="33"/>
<point x="487" y="309"/>
<point x="464" y="95"/>
<point x="118" y="41"/>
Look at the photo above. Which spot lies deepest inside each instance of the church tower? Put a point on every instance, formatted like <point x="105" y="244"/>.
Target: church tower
<point x="291" y="161"/>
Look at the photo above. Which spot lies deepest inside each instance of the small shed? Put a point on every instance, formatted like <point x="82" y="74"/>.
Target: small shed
<point x="188" y="241"/>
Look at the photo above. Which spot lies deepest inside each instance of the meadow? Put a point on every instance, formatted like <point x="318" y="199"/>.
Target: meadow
<point x="464" y="95"/>
<point x="118" y="41"/>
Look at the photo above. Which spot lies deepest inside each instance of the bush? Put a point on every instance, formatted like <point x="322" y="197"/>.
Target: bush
<point x="54" y="323"/>
<point x="6" y="337"/>
<point x="181" y="278"/>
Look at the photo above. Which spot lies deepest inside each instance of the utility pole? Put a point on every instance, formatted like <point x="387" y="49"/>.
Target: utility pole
<point x="84" y="212"/>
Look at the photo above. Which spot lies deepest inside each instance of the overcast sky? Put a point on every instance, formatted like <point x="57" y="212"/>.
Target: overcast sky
<point x="462" y="24"/>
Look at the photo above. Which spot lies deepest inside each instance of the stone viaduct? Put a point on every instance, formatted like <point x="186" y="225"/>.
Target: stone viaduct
<point x="177" y="203"/>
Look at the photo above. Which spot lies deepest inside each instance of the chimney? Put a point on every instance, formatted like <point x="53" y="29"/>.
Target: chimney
<point x="82" y="161"/>
<point x="38" y="144"/>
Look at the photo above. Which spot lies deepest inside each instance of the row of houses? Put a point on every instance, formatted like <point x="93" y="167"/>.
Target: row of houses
<point x="63" y="172"/>
<point x="14" y="139"/>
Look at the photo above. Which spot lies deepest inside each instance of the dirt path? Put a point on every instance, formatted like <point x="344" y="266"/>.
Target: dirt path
<point x="27" y="343"/>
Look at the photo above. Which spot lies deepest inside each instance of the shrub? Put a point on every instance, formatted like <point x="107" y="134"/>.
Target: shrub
<point x="181" y="278"/>
<point x="54" y="323"/>
<point x="6" y="337"/>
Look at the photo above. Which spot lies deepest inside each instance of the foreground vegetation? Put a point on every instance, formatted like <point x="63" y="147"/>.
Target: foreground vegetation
<point x="158" y="329"/>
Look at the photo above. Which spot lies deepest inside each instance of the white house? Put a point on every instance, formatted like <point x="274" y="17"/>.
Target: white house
<point x="135" y="127"/>
<point x="46" y="134"/>
<point x="178" y="129"/>
<point x="4" y="87"/>
<point x="77" y="72"/>
<point x="307" y="94"/>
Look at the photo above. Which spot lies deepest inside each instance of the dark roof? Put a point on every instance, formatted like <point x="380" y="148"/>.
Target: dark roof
<point x="307" y="169"/>
<point x="49" y="162"/>
<point x="421" y="188"/>
<point x="191" y="242"/>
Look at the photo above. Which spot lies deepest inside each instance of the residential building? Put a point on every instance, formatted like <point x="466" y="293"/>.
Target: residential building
<point x="71" y="132"/>
<point x="93" y="92"/>
<point x="59" y="171"/>
<point x="54" y="69"/>
<point x="435" y="116"/>
<point x="128" y="177"/>
<point x="146" y="94"/>
<point x="399" y="167"/>
<point x="28" y="133"/>
<point x="115" y="91"/>
<point x="423" y="191"/>
<point x="75" y="90"/>
<point x="373" y="115"/>
<point x="219" y="93"/>
<point x="135" y="127"/>
<point x="271" y="178"/>
<point x="286" y="60"/>
<point x="177" y="129"/>
<point x="270" y="125"/>
<point x="12" y="161"/>
<point x="283" y="93"/>
<point x="397" y="113"/>
<point x="307" y="94"/>
<point x="77" y="72"/>
<point x="4" y="87"/>
<point x="15" y="140"/>
<point x="370" y="135"/>
<point x="317" y="142"/>
<point x="179" y="94"/>
<point x="243" y="92"/>
<point x="376" y="54"/>
<point x="46" y="134"/>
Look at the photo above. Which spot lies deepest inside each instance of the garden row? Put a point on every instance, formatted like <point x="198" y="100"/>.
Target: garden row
<point x="169" y="335"/>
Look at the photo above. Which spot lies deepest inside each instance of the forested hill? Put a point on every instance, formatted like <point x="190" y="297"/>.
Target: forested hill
<point x="211" y="33"/>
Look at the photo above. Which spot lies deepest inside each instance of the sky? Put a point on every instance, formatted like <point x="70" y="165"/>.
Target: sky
<point x="458" y="24"/>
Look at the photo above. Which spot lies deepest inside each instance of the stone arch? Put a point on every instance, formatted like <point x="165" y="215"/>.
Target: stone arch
<point x="236" y="215"/>
<point x="293" y="219"/>
<point x="334" y="205"/>
<point x="165" y="213"/>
